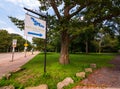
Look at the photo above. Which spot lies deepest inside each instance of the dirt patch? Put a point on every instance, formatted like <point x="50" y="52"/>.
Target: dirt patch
<point x="116" y="63"/>
<point x="103" y="78"/>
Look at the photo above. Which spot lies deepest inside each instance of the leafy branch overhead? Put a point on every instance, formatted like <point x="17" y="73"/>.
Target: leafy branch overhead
<point x="17" y="22"/>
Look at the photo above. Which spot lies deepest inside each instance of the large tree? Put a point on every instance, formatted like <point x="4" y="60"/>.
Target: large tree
<point x="94" y="12"/>
<point x="66" y="11"/>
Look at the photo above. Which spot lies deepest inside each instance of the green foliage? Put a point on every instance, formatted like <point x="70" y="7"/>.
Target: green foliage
<point x="109" y="43"/>
<point x="33" y="74"/>
<point x="6" y="42"/>
<point x="66" y="21"/>
<point x="39" y="43"/>
<point x="20" y="42"/>
<point x="17" y="22"/>
<point x="102" y="10"/>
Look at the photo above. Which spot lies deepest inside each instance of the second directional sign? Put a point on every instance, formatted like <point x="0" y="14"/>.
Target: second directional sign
<point x="14" y="42"/>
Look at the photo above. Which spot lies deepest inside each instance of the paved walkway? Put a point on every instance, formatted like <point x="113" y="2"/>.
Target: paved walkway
<point x="7" y="66"/>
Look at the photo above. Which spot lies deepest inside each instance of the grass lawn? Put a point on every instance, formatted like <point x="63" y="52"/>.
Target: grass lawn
<point x="33" y="72"/>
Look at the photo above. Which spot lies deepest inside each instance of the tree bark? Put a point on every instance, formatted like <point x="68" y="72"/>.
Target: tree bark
<point x="100" y="46"/>
<point x="86" y="43"/>
<point x="64" y="55"/>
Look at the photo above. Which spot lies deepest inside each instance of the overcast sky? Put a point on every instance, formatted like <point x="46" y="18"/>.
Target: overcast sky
<point x="14" y="8"/>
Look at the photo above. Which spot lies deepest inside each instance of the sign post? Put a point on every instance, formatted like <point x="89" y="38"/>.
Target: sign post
<point x="37" y="28"/>
<point x="25" y="46"/>
<point x="14" y="43"/>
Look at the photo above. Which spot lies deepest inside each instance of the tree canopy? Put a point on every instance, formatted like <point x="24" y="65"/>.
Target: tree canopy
<point x="6" y="41"/>
<point x="67" y="21"/>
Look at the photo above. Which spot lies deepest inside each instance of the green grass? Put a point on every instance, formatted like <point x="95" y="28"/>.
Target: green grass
<point x="33" y="73"/>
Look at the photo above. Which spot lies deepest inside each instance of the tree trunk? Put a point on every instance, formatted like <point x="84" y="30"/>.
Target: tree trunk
<point x="64" y="55"/>
<point x="100" y="46"/>
<point x="86" y="43"/>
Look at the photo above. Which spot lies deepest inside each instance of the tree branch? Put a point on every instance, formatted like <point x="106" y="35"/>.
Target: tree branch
<point x="54" y="6"/>
<point x="68" y="8"/>
<point x="105" y="18"/>
<point x="66" y="11"/>
<point x="86" y="4"/>
<point x="76" y="12"/>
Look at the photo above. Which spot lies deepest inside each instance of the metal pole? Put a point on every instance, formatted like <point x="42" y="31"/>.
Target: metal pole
<point x="14" y="42"/>
<point x="26" y="47"/>
<point x="45" y="46"/>
<point x="12" y="54"/>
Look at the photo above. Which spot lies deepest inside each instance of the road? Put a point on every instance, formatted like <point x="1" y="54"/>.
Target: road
<point x="7" y="65"/>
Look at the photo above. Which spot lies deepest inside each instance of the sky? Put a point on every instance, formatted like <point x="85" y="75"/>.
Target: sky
<point x="14" y="8"/>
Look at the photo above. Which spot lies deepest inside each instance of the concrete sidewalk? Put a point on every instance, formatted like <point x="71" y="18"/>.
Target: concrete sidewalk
<point x="7" y="66"/>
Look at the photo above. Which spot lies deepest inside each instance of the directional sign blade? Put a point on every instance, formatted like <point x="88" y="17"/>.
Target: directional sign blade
<point x="35" y="27"/>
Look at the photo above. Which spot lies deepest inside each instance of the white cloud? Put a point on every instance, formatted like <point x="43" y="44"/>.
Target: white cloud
<point x="2" y="22"/>
<point x="17" y="31"/>
<point x="3" y="8"/>
<point x="11" y="30"/>
<point x="26" y="3"/>
<point x="31" y="3"/>
<point x="12" y="1"/>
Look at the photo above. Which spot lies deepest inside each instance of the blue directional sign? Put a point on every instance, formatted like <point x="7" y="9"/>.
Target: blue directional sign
<point x="35" y="27"/>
